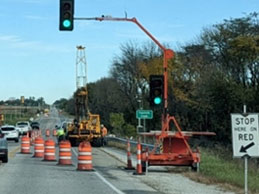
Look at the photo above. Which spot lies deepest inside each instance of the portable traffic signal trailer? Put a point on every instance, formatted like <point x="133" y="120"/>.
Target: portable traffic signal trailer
<point x="175" y="151"/>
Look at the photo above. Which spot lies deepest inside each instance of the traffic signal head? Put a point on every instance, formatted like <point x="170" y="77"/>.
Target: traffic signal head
<point x="156" y="86"/>
<point x="66" y="17"/>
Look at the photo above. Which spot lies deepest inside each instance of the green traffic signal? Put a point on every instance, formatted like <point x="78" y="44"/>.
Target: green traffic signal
<point x="66" y="15"/>
<point x="66" y="23"/>
<point x="156" y="89"/>
<point x="157" y="100"/>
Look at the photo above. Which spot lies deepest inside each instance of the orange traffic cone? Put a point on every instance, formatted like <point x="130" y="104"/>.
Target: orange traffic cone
<point x="129" y="162"/>
<point x="139" y="165"/>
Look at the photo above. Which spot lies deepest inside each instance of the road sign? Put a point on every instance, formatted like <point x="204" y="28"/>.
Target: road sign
<point x="144" y="114"/>
<point x="245" y="134"/>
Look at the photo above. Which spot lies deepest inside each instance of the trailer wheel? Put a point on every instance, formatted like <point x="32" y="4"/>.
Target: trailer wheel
<point x="97" y="142"/>
<point x="143" y="164"/>
<point x="5" y="159"/>
<point x="196" y="167"/>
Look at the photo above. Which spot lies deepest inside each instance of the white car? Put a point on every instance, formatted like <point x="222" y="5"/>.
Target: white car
<point x="10" y="132"/>
<point x="24" y="127"/>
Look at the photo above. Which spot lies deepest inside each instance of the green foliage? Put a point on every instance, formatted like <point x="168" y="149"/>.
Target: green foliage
<point x="129" y="130"/>
<point x="117" y="121"/>
<point x="31" y="101"/>
<point x="66" y="105"/>
<point x="216" y="76"/>
<point x="120" y="127"/>
<point x="105" y="94"/>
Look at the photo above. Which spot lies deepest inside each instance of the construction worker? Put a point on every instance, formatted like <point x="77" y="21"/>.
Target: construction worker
<point x="60" y="134"/>
<point x="104" y="133"/>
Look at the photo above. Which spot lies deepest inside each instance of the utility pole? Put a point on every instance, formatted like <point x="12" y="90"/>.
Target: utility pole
<point x="81" y="67"/>
<point x="81" y="84"/>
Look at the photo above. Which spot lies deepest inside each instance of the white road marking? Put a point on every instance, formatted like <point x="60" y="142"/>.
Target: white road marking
<point x="103" y="179"/>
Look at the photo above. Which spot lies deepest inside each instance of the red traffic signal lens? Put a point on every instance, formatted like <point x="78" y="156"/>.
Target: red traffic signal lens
<point x="157" y="83"/>
<point x="66" y="6"/>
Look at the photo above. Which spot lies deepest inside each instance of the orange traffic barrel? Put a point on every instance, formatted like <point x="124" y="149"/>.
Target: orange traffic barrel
<point x="39" y="147"/>
<point x="25" y="145"/>
<point x="85" y="156"/>
<point x="65" y="155"/>
<point x="49" y="150"/>
<point x="47" y="133"/>
<point x="54" y="132"/>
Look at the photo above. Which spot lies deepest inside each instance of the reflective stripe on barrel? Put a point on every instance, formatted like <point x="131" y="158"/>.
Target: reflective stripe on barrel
<point x="65" y="155"/>
<point x="49" y="151"/>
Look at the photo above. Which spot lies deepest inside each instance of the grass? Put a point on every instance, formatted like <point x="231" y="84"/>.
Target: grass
<point x="215" y="168"/>
<point x="218" y="167"/>
<point x="12" y="120"/>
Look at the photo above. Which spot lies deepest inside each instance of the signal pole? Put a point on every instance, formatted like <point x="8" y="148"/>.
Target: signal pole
<point x="167" y="55"/>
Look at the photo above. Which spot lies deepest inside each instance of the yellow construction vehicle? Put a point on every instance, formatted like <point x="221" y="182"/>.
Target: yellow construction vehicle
<point x="86" y="126"/>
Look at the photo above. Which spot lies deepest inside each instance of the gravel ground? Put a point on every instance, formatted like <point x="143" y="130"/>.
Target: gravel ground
<point x="169" y="183"/>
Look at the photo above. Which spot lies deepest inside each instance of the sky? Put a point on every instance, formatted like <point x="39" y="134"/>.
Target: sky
<point x="37" y="60"/>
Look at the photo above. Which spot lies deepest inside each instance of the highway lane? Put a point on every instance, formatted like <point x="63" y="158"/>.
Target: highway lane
<point x="25" y="174"/>
<point x="112" y="172"/>
<point x="13" y="146"/>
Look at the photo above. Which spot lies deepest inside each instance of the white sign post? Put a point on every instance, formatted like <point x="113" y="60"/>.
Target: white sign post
<point x="245" y="138"/>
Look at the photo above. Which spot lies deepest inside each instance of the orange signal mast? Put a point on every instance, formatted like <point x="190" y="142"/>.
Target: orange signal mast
<point x="168" y="54"/>
<point x="176" y="150"/>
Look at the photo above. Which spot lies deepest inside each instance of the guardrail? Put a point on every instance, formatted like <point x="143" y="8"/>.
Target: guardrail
<point x="133" y="144"/>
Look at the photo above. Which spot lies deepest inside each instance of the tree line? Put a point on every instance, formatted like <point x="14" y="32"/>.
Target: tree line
<point x="31" y="101"/>
<point x="209" y="79"/>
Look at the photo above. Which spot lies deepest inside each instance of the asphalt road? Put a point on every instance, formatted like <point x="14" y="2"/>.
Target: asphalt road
<point x="24" y="174"/>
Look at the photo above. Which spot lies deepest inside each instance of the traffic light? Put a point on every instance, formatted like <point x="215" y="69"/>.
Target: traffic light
<point x="66" y="22"/>
<point x="156" y="86"/>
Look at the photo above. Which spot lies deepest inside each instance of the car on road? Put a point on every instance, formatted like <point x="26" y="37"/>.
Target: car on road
<point x="10" y="132"/>
<point x="24" y="127"/>
<point x="35" y="125"/>
<point x="3" y="148"/>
